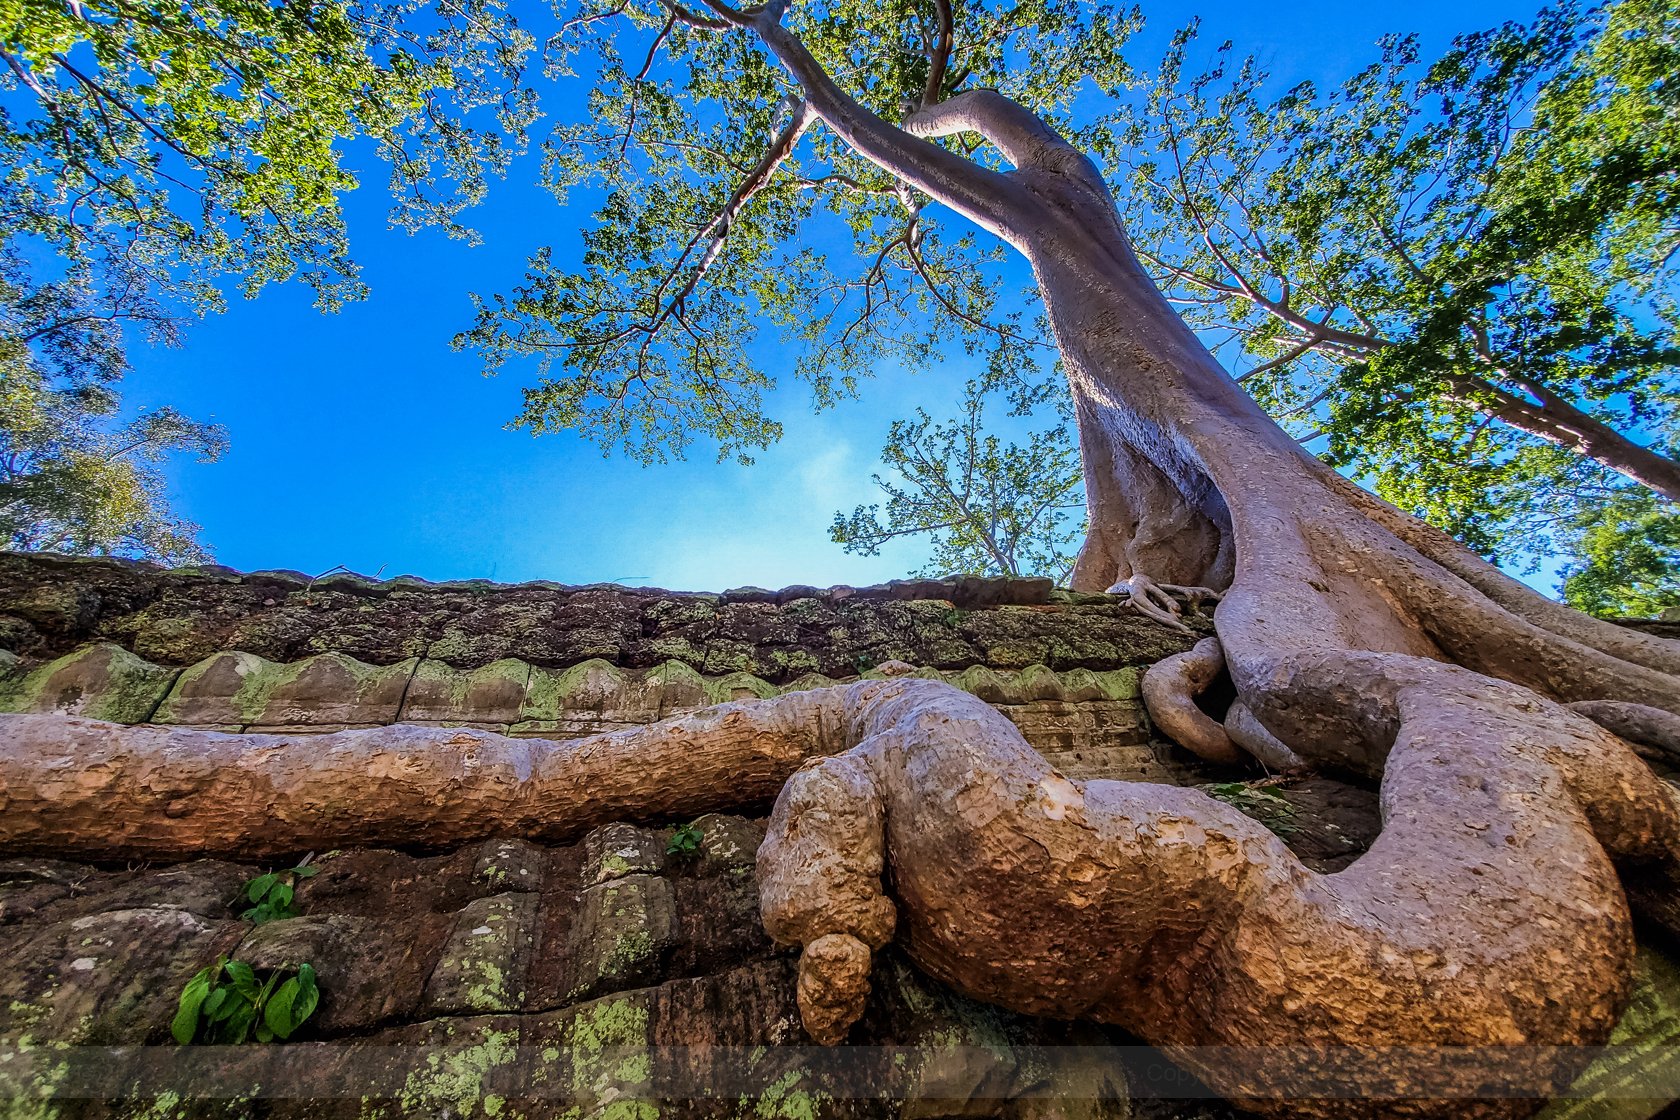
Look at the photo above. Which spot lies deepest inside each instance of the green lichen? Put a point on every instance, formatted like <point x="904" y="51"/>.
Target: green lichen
<point x="455" y="1077"/>
<point x="782" y="1101"/>
<point x="491" y="993"/>
<point x="101" y="681"/>
<point x="609" y="1053"/>
<point x="587" y="686"/>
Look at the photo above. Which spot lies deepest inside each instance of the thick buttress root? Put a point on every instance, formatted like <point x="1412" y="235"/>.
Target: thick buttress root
<point x="77" y="787"/>
<point x="1170" y="688"/>
<point x="1487" y="914"/>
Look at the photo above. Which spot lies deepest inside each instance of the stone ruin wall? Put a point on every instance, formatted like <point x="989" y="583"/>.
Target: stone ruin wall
<point x="278" y="652"/>
<point x="493" y="958"/>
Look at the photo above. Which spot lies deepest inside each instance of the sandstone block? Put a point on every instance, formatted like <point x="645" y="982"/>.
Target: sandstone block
<point x="621" y="933"/>
<point x="616" y="850"/>
<point x="486" y="961"/>
<point x="370" y="970"/>
<point x="510" y="865"/>
<point x="492" y="695"/>
<point x="102" y="681"/>
<point x="228" y="690"/>
<point x="105" y="979"/>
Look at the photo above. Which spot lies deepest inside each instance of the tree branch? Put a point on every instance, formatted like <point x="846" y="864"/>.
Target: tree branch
<point x="940" y="57"/>
<point x="988" y="198"/>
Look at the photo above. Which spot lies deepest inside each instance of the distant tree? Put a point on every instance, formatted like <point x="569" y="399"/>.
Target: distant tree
<point x="1626" y="558"/>
<point x="986" y="508"/>
<point x="74" y="477"/>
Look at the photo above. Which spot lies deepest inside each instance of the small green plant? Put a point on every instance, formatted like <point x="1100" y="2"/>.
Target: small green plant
<point x="685" y="842"/>
<point x="272" y="895"/>
<point x="1265" y="804"/>
<point x="223" y="1002"/>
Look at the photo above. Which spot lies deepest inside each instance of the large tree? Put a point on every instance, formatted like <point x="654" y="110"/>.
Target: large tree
<point x="1492" y="911"/>
<point x="1356" y="635"/>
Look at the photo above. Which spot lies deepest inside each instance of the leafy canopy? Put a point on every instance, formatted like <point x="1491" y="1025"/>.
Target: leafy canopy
<point x="157" y="151"/>
<point x="198" y="140"/>
<point x="1448" y="271"/>
<point x="726" y="206"/>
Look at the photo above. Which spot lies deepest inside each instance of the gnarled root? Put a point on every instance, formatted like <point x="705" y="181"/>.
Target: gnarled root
<point x="833" y="983"/>
<point x="1487" y="914"/>
<point x="77" y="787"/>
<point x="1153" y="599"/>
<point x="1653" y="732"/>
<point x="1170" y="688"/>
<point x="1247" y="732"/>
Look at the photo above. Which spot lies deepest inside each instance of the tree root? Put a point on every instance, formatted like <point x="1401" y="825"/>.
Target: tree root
<point x="1487" y="914"/>
<point x="1169" y="691"/>
<point x="1152" y="599"/>
<point x="83" y="788"/>
<point x="1654" y="733"/>
<point x="1170" y="688"/>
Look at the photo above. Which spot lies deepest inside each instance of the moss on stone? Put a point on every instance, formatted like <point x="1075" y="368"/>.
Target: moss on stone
<point x="102" y="681"/>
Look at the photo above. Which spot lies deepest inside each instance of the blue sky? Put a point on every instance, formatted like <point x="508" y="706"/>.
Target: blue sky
<point x="361" y="439"/>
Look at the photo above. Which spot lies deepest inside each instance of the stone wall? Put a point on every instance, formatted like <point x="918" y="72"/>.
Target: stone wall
<point x="278" y="652"/>
<point x="50" y="605"/>
<point x="508" y="979"/>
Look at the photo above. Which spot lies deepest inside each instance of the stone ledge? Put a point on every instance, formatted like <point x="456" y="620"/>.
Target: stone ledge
<point x="52" y="605"/>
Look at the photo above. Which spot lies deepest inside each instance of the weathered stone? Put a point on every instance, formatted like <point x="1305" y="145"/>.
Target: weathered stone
<point x="105" y="979"/>
<point x="729" y="844"/>
<point x="221" y="693"/>
<point x="740" y="686"/>
<point x="392" y="885"/>
<point x="208" y="888"/>
<point x="492" y="696"/>
<point x="102" y="681"/>
<point x="510" y="865"/>
<point x="485" y="964"/>
<point x="586" y="699"/>
<point x="369" y="970"/>
<point x="181" y="617"/>
<point x="616" y="850"/>
<point x="622" y="931"/>
<point x="333" y="690"/>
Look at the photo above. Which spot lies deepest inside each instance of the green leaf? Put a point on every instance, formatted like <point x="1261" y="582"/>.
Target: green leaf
<point x="238" y="1025"/>
<point x="244" y="979"/>
<point x="264" y="1034"/>
<point x="308" y="995"/>
<point x="280" y="898"/>
<point x="277" y="1013"/>
<point x="260" y="886"/>
<point x="185" y="1025"/>
<point x="213" y="1006"/>
<point x="304" y="872"/>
